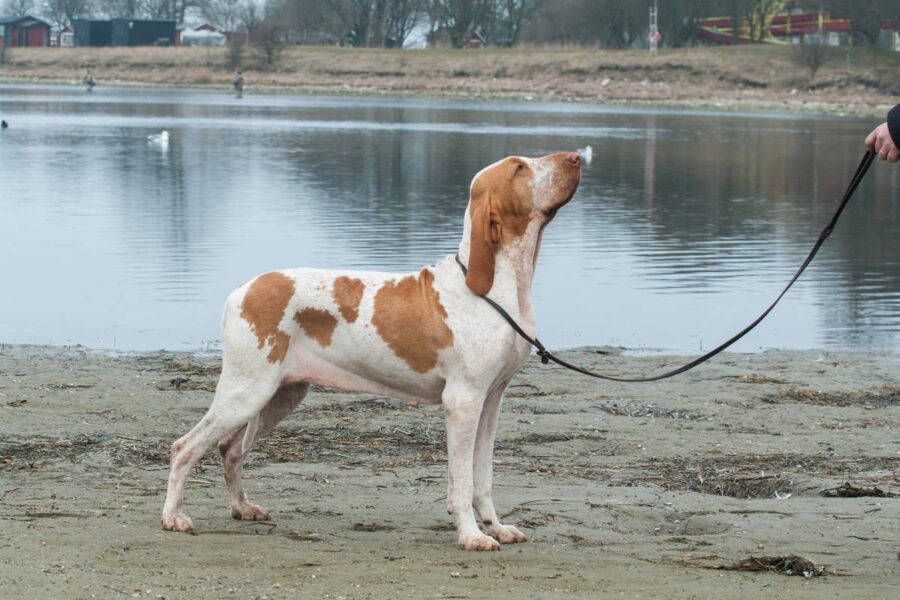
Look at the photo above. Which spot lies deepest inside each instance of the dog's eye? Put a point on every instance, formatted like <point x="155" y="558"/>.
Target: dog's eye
<point x="519" y="168"/>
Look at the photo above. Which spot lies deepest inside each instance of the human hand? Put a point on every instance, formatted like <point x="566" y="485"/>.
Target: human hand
<point x="880" y="141"/>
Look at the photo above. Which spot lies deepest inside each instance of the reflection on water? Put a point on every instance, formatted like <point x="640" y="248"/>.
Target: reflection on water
<point x="683" y="229"/>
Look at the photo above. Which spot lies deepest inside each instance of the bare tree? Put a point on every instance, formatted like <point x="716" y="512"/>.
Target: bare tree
<point x="622" y="22"/>
<point x="124" y="9"/>
<point x="168" y="9"/>
<point x="252" y="17"/>
<point x="812" y="56"/>
<point x="459" y="18"/>
<point x="159" y="9"/>
<point x="180" y="8"/>
<point x="64" y="12"/>
<point x="738" y="10"/>
<point x="372" y="23"/>
<point x="679" y="20"/>
<point x="224" y="15"/>
<point x="18" y="8"/>
<point x="867" y="18"/>
<point x="561" y="22"/>
<point x="610" y="23"/>
<point x="402" y="17"/>
<point x="345" y="20"/>
<point x="365" y="18"/>
<point x="760" y="17"/>
<point x="310" y="20"/>
<point x="269" y="37"/>
<point x="509" y="18"/>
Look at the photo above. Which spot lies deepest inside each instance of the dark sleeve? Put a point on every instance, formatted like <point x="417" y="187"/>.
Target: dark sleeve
<point x="893" y="122"/>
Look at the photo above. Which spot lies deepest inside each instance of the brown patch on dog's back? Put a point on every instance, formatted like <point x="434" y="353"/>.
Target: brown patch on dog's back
<point x="317" y="323"/>
<point x="279" y="343"/>
<point x="263" y="308"/>
<point x="410" y="318"/>
<point x="348" y="293"/>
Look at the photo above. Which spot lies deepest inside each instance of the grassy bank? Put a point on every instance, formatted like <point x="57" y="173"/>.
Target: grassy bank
<point x="750" y="77"/>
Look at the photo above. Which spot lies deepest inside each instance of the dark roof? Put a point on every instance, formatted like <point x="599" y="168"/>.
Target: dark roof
<point x="166" y="21"/>
<point x="30" y="21"/>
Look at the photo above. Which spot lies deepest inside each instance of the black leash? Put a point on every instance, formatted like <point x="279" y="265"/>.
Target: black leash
<point x="546" y="356"/>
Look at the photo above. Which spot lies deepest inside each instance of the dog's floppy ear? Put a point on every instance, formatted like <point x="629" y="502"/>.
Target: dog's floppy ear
<point x="482" y="244"/>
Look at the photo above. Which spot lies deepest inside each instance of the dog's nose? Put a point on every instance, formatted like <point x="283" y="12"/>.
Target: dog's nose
<point x="574" y="158"/>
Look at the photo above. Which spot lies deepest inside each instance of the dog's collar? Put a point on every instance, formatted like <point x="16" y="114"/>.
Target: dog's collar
<point x="461" y="265"/>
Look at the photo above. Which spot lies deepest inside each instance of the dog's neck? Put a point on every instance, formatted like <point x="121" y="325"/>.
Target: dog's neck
<point x="514" y="268"/>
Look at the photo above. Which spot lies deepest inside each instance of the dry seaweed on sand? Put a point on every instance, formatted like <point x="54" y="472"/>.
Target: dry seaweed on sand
<point x="372" y="527"/>
<point x="183" y="365"/>
<point x="745" y="486"/>
<point x="849" y="490"/>
<point x="755" y="378"/>
<point x="785" y="565"/>
<point x="34" y="453"/>
<point x="421" y="443"/>
<point x="186" y="383"/>
<point x="634" y="409"/>
<point x="878" y="398"/>
<point x="737" y="475"/>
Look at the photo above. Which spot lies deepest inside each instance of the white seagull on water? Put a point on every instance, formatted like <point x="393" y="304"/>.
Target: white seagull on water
<point x="159" y="139"/>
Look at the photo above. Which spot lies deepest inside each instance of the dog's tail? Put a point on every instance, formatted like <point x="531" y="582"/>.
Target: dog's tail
<point x="250" y="434"/>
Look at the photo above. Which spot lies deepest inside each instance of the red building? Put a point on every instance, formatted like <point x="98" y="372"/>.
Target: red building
<point x="475" y="41"/>
<point x="24" y="32"/>
<point x="795" y="27"/>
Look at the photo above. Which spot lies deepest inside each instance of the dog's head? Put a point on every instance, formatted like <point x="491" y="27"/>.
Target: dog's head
<point x="508" y="197"/>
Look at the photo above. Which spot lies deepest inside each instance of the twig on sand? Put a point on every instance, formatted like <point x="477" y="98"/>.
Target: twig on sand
<point x="848" y="490"/>
<point x="786" y="565"/>
<point x="268" y="524"/>
<point x="519" y="506"/>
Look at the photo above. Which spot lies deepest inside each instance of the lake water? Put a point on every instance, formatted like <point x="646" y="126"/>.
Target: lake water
<point x="685" y="226"/>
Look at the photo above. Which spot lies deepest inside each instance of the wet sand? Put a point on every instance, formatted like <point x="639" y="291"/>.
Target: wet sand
<point x="634" y="490"/>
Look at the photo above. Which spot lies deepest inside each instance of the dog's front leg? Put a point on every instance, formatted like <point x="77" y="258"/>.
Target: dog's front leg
<point x="484" y="472"/>
<point x="463" y="408"/>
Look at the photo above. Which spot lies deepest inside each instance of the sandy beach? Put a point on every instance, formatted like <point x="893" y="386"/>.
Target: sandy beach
<point x="626" y="490"/>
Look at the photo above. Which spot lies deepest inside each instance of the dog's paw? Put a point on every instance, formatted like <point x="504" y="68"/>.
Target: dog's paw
<point x="179" y="522"/>
<point x="506" y="534"/>
<point x="247" y="511"/>
<point x="479" y="542"/>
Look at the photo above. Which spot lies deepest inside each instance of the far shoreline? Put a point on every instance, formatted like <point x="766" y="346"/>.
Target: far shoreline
<point x="740" y="79"/>
<point x="718" y="106"/>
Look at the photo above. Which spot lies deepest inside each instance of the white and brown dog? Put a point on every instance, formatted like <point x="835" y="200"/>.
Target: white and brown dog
<point x="425" y="338"/>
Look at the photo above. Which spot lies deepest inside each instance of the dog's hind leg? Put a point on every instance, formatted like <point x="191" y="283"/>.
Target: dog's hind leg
<point x="234" y="450"/>
<point x="238" y="400"/>
<point x="484" y="472"/>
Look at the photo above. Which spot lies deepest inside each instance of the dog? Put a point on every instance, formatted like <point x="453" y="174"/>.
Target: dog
<point x="427" y="337"/>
